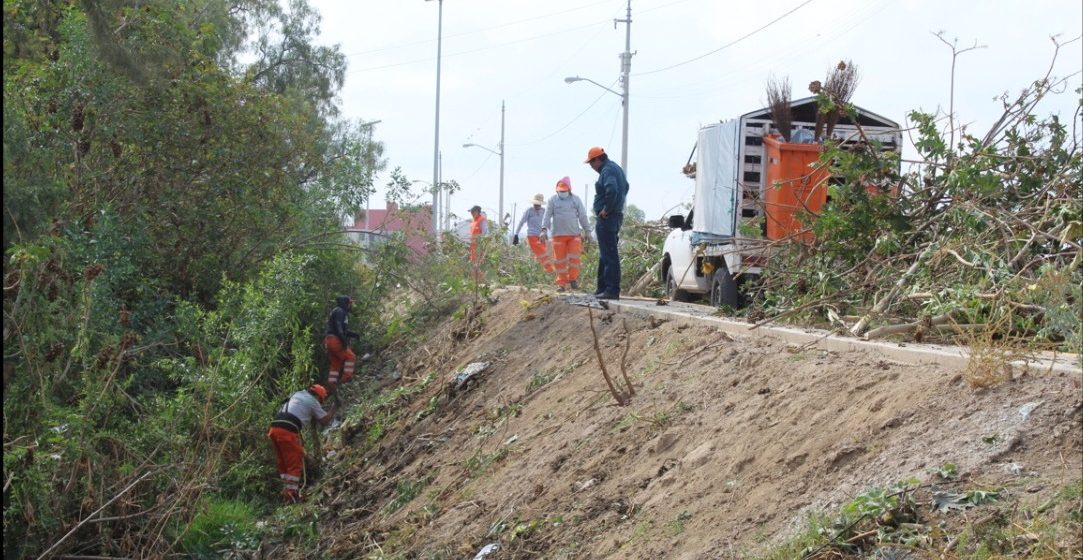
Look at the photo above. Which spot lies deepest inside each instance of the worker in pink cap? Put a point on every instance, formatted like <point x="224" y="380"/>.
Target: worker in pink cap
<point x="567" y="225"/>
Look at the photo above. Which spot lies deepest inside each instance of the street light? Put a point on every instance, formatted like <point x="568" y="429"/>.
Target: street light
<point x="500" y="218"/>
<point x="625" y="67"/>
<point x="624" y="102"/>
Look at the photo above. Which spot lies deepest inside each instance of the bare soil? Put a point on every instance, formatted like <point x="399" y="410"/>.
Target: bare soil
<point x="727" y="445"/>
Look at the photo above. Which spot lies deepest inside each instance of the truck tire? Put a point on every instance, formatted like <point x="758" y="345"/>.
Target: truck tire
<point x="672" y="291"/>
<point x="724" y="288"/>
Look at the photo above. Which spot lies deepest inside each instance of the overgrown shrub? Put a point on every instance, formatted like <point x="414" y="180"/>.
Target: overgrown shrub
<point x="984" y="239"/>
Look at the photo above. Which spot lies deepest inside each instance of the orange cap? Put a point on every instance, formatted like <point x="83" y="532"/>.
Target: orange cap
<point x="319" y="390"/>
<point x="564" y="185"/>
<point x="593" y="153"/>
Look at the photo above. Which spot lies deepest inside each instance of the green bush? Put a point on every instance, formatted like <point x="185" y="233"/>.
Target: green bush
<point x="221" y="525"/>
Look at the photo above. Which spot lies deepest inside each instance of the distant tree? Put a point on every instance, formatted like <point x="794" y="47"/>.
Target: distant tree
<point x="634" y="215"/>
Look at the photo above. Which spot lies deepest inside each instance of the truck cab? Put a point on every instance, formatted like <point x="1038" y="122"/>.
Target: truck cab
<point x="752" y="189"/>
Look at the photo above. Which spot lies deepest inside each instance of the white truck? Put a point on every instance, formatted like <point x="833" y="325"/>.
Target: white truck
<point x="743" y="170"/>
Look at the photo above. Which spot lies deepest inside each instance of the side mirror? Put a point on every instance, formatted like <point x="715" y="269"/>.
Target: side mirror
<point x="676" y="221"/>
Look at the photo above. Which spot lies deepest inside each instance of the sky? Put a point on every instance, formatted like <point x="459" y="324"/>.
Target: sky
<point x="695" y="62"/>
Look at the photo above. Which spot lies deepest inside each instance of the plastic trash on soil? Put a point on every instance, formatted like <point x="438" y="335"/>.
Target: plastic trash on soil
<point x="486" y="550"/>
<point x="464" y="377"/>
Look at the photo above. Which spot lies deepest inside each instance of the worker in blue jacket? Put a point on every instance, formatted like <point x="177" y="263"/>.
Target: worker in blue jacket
<point x="609" y="194"/>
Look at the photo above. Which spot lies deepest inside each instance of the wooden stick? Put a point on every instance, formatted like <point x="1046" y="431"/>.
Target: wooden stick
<point x="624" y="356"/>
<point x="601" y="362"/>
<point x="91" y="516"/>
<point x="863" y="325"/>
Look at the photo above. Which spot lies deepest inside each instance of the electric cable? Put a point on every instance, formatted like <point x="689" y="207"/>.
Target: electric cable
<point x="727" y="45"/>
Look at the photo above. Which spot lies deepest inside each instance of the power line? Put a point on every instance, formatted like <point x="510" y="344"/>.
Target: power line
<point x="724" y="81"/>
<point x="479" y="49"/>
<point x="728" y="45"/>
<point x="483" y="30"/>
<point x="561" y="129"/>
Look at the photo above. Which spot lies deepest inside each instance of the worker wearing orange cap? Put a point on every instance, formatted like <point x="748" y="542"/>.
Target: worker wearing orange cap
<point x="532" y="218"/>
<point x="566" y="221"/>
<point x="292" y="417"/>
<point x="337" y="342"/>
<point x="609" y="194"/>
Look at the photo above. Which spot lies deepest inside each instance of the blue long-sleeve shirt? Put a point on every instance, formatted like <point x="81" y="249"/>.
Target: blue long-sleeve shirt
<point x="533" y="218"/>
<point x="611" y="189"/>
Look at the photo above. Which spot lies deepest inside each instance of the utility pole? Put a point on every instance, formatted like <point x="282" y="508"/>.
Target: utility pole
<point x="436" y="142"/>
<point x="500" y="207"/>
<point x="440" y="178"/>
<point x="625" y="67"/>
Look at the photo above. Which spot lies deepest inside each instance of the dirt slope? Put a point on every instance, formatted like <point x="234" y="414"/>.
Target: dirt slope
<point x="727" y="444"/>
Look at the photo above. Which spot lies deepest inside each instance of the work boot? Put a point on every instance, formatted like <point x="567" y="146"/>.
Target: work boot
<point x="561" y="289"/>
<point x="290" y="497"/>
<point x="574" y="284"/>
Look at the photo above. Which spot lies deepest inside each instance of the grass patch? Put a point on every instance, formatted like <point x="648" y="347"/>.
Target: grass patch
<point x="221" y="525"/>
<point x="965" y="524"/>
<point x="539" y="380"/>
<point x="406" y="489"/>
<point x="480" y="463"/>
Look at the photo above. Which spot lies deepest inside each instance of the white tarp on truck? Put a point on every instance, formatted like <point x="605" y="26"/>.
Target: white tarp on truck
<point x="714" y="206"/>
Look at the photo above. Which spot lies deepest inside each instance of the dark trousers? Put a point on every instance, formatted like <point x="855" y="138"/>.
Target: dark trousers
<point x="607" y="232"/>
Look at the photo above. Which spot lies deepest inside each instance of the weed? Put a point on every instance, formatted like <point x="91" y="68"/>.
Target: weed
<point x="406" y="489"/>
<point x="660" y="419"/>
<point x="538" y="380"/>
<point x="677" y="525"/>
<point x="625" y="423"/>
<point x="673" y="347"/>
<point x="478" y="463"/>
<point x="221" y="525"/>
<point x="947" y="471"/>
<point x="298" y="524"/>
<point x="431" y="407"/>
<point x="524" y="529"/>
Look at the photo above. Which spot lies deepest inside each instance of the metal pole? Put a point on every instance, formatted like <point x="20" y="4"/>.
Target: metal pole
<point x="501" y="205"/>
<point x="436" y="141"/>
<point x="626" y="66"/>
<point x="441" y="190"/>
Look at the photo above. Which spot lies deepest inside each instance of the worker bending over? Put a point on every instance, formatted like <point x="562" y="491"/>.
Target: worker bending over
<point x="293" y="416"/>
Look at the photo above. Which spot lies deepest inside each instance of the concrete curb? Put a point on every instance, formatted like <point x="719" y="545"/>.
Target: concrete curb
<point x="952" y="357"/>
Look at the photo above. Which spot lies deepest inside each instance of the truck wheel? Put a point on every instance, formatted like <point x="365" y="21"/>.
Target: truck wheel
<point x="672" y="291"/>
<point x="724" y="288"/>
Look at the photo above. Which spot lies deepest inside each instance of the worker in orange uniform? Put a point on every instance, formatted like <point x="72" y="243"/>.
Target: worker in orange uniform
<point x="337" y="342"/>
<point x="566" y="222"/>
<point x="478" y="227"/>
<point x="291" y="418"/>
<point x="533" y="217"/>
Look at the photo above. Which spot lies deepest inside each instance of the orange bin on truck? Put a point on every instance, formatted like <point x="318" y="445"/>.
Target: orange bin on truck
<point x="792" y="185"/>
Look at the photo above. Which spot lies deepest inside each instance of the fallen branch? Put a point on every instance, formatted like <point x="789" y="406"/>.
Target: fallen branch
<point x="863" y="324"/>
<point x="889" y="330"/>
<point x="91" y="516"/>
<point x="645" y="280"/>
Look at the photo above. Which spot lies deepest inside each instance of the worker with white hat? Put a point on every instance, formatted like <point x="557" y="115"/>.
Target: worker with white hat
<point x="533" y="217"/>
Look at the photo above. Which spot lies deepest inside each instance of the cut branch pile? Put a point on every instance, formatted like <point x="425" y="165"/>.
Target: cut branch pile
<point x="983" y="241"/>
